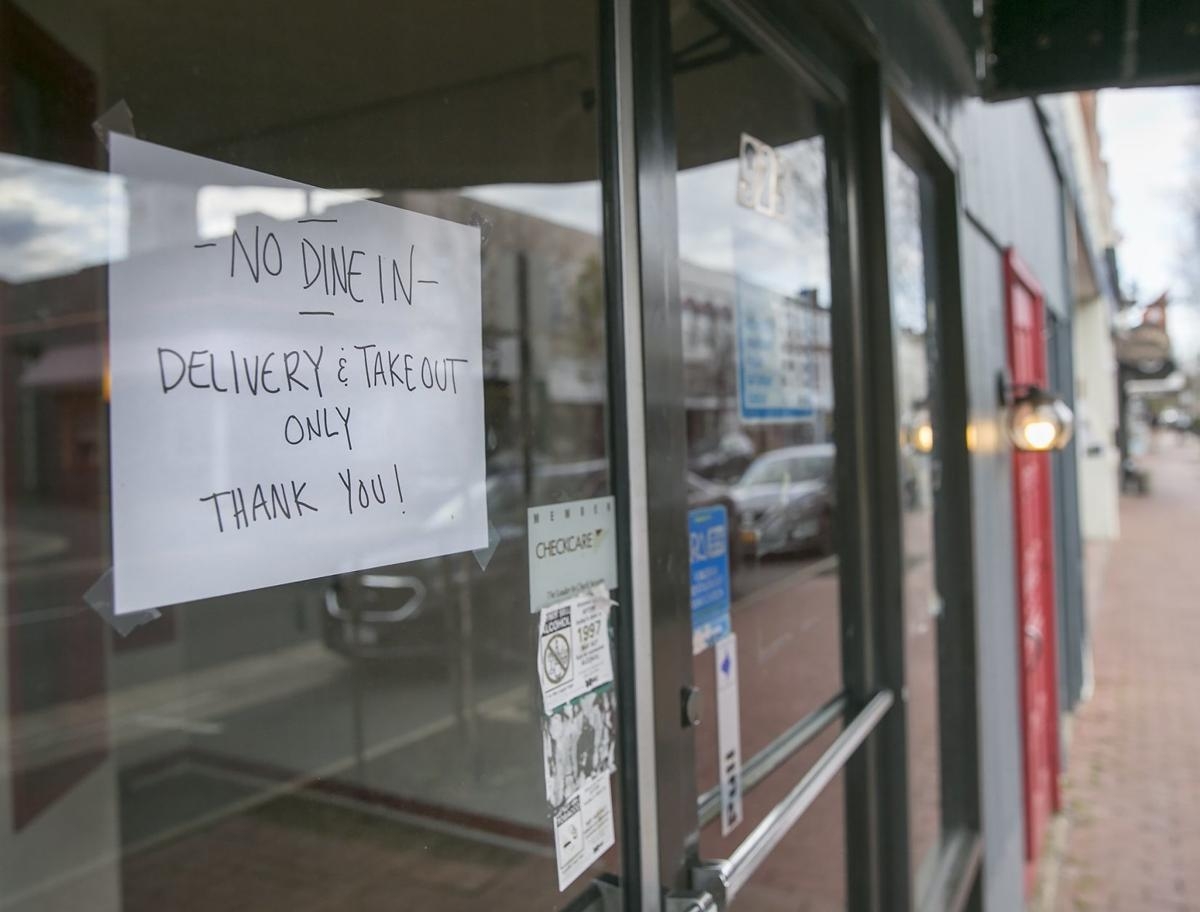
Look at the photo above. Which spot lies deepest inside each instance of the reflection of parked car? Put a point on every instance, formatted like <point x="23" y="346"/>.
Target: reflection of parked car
<point x="702" y="493"/>
<point x="726" y="461"/>
<point x="412" y="610"/>
<point x="785" y="501"/>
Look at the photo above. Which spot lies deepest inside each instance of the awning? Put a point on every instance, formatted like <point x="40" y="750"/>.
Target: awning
<point x="1035" y="47"/>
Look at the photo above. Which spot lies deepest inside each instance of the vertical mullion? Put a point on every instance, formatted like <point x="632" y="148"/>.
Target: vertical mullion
<point x="957" y="650"/>
<point x="855" y="559"/>
<point x="879" y="821"/>
<point x="634" y="660"/>
<point x="666" y="556"/>
<point x="646" y="360"/>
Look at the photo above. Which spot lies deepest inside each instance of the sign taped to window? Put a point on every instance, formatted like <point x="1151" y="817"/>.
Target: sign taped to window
<point x="296" y="381"/>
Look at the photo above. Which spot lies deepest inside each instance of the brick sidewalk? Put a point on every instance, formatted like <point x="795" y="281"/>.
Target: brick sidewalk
<point x="1132" y="793"/>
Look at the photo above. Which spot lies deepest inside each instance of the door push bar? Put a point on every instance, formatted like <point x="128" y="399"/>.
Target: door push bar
<point x="716" y="883"/>
<point x="775" y="754"/>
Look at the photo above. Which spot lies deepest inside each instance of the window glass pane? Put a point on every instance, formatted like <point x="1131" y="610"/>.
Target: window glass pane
<point x="808" y="869"/>
<point x="754" y="284"/>
<point x="370" y="739"/>
<point x="914" y="313"/>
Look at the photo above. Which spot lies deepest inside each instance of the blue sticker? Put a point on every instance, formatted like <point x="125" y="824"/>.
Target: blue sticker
<point x="708" y="543"/>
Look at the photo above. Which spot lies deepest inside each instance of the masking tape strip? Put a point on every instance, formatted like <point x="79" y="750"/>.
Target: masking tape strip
<point x="483" y="556"/>
<point x="101" y="600"/>
<point x="484" y="224"/>
<point x="117" y="119"/>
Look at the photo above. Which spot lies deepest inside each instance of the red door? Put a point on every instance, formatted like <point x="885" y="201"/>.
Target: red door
<point x="1035" y="567"/>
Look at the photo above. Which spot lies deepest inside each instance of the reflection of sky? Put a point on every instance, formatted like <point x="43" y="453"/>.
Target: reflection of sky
<point x="218" y="208"/>
<point x="906" y="252"/>
<point x="59" y="219"/>
<point x="574" y="205"/>
<point x="785" y="254"/>
<point x="55" y="219"/>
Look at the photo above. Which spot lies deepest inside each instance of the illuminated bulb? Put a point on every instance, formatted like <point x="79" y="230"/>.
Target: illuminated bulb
<point x="1038" y="422"/>
<point x="1039" y="434"/>
<point x="923" y="438"/>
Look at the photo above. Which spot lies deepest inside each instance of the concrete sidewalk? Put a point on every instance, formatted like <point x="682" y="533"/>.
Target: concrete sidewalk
<point x="1131" y="824"/>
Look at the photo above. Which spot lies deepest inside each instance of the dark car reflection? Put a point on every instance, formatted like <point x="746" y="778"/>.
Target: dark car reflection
<point x="724" y="462"/>
<point x="430" y="608"/>
<point x="785" y="501"/>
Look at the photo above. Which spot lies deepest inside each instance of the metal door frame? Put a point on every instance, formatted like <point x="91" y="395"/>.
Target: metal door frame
<point x="956" y="875"/>
<point x="661" y="813"/>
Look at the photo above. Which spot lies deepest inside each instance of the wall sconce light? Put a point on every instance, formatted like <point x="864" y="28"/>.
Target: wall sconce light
<point x="1038" y="421"/>
<point x="920" y="432"/>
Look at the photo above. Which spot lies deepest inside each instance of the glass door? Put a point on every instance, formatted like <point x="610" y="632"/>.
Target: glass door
<point x="760" y="222"/>
<point x="220" y="692"/>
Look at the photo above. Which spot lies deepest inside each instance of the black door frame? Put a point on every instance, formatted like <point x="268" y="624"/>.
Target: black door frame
<point x="832" y="51"/>
<point x="956" y="874"/>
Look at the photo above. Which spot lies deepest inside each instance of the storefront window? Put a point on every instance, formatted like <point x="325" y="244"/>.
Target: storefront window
<point x="372" y="738"/>
<point x="914" y="321"/>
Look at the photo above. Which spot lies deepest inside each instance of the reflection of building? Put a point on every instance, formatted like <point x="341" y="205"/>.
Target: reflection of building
<point x="543" y="325"/>
<point x="710" y="312"/>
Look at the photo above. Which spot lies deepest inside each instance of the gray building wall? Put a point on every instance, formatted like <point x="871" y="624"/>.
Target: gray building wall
<point x="1001" y="778"/>
<point x="1068" y="536"/>
<point x="1011" y="196"/>
<point x="1010" y="186"/>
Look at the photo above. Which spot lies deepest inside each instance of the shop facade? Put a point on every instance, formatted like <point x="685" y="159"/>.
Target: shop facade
<point x="733" y="328"/>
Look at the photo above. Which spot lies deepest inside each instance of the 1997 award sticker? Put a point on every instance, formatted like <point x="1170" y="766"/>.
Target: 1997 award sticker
<point x="573" y="650"/>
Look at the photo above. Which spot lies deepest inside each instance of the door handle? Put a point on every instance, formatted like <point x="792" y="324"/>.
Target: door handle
<point x="715" y="883"/>
<point x="410" y="607"/>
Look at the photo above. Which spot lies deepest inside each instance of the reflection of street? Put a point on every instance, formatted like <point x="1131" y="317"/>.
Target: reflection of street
<point x="786" y="616"/>
<point x="408" y="802"/>
<point x="306" y="734"/>
<point x="303" y="813"/>
<point x="757" y="578"/>
<point x="922" y="609"/>
<point x="242" y="741"/>
<point x="298" y="854"/>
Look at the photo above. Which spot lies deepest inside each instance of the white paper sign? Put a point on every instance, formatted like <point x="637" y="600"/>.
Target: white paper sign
<point x="583" y="830"/>
<point x="573" y="648"/>
<point x="729" y="732"/>
<point x="294" y="394"/>
<point x="572" y="547"/>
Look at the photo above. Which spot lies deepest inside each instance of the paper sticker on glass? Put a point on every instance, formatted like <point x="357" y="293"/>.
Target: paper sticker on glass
<point x="579" y="744"/>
